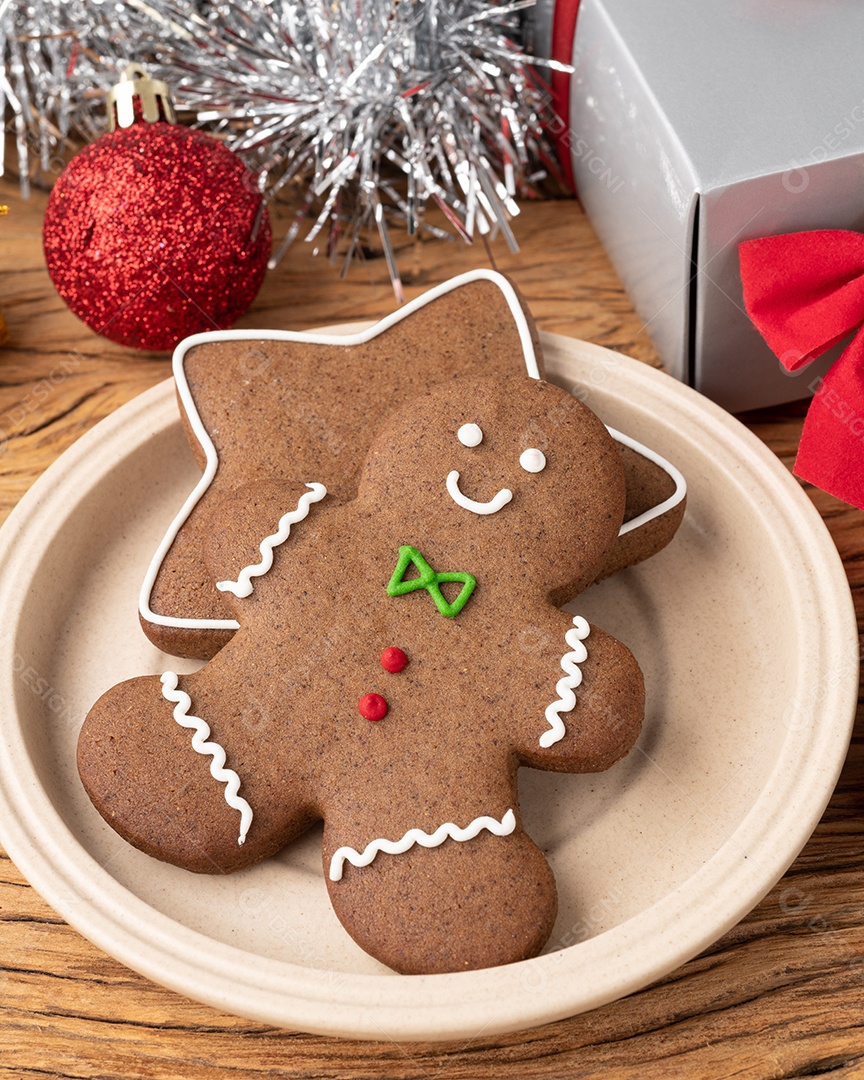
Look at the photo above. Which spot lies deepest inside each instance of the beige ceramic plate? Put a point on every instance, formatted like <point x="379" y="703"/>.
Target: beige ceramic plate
<point x="743" y="626"/>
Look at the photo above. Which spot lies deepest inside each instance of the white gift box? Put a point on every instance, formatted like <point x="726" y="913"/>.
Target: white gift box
<point x="695" y="125"/>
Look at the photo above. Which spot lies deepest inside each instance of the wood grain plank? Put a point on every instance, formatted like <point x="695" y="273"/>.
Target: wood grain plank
<point x="780" y="995"/>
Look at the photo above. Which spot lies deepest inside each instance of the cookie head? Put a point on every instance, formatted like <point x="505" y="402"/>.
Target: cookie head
<point x="513" y="462"/>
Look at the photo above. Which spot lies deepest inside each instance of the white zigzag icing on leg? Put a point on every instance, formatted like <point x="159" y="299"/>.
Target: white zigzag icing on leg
<point x="564" y="687"/>
<point x="416" y="836"/>
<point x="243" y="585"/>
<point x="199" y="743"/>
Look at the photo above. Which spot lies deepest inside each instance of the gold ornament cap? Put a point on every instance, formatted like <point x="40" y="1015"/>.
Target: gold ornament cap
<point x="153" y="95"/>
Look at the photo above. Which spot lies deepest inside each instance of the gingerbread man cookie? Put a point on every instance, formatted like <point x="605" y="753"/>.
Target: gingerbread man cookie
<point x="280" y="404"/>
<point x="399" y="657"/>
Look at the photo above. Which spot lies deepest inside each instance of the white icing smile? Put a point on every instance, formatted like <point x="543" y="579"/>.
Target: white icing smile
<point x="492" y="507"/>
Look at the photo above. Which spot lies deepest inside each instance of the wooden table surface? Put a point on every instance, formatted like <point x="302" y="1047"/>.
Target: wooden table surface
<point x="780" y="995"/>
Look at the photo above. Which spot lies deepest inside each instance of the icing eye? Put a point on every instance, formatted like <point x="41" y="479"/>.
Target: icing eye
<point x="469" y="435"/>
<point x="533" y="460"/>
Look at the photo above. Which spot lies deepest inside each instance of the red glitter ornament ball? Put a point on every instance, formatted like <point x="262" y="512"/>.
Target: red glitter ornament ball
<point x="155" y="232"/>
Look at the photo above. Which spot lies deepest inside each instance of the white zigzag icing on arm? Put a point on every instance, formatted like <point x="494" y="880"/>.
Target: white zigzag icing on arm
<point x="416" y="836"/>
<point x="243" y="585"/>
<point x="199" y="743"/>
<point x="564" y="687"/>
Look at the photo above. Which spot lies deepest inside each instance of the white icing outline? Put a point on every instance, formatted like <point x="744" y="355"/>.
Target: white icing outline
<point x="661" y="508"/>
<point x="416" y="836"/>
<point x="492" y="507"/>
<point x="575" y="638"/>
<point x="206" y="443"/>
<point x="212" y="460"/>
<point x="243" y="585"/>
<point x="182" y="704"/>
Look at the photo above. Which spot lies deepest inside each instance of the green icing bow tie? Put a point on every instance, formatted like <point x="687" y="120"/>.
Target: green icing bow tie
<point x="429" y="580"/>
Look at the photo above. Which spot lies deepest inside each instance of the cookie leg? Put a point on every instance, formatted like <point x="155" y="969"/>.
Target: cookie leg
<point x="140" y="767"/>
<point x="456" y="907"/>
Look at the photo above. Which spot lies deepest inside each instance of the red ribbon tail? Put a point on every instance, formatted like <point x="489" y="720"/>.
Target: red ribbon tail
<point x="831" y="452"/>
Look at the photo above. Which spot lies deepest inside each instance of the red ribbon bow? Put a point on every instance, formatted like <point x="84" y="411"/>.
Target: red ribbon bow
<point x="805" y="292"/>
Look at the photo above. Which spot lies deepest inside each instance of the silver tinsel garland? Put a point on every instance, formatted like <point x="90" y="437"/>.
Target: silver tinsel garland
<point x="374" y="109"/>
<point x="52" y="79"/>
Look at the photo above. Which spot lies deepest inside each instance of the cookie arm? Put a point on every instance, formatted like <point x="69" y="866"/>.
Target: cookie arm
<point x="184" y="771"/>
<point x="247" y="527"/>
<point x="592" y="711"/>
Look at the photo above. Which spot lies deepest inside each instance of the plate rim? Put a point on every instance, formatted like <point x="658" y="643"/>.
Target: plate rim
<point x="409" y="1007"/>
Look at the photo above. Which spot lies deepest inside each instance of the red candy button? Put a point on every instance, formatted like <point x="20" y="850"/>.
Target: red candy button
<point x="372" y="707"/>
<point x="393" y="659"/>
